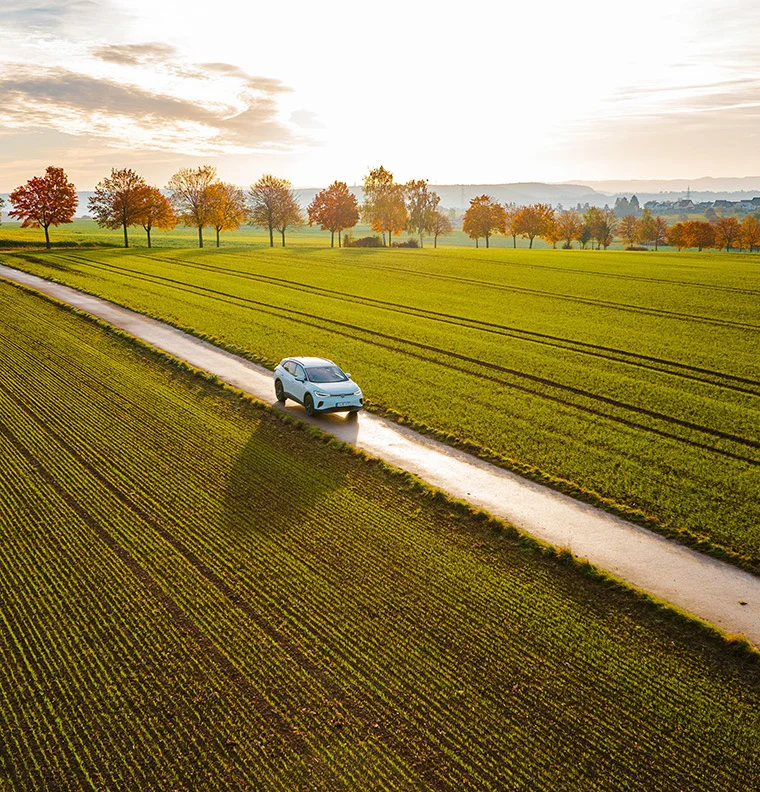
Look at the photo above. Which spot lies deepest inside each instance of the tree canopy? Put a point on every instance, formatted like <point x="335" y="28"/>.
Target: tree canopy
<point x="45" y="201"/>
<point x="273" y="205"/>
<point x="191" y="197"/>
<point x="334" y="209"/>
<point x="118" y="200"/>
<point x="422" y="205"/>
<point x="484" y="217"/>
<point x="228" y="207"/>
<point x="384" y="207"/>
<point x="156" y="212"/>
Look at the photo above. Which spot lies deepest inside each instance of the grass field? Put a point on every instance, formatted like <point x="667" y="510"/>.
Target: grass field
<point x="198" y="595"/>
<point x="632" y="377"/>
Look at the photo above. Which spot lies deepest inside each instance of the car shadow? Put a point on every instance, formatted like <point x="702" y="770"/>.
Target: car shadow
<point x="275" y="482"/>
<point x="345" y="426"/>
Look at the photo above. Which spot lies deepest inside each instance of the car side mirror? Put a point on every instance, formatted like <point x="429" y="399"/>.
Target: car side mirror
<point x="300" y="379"/>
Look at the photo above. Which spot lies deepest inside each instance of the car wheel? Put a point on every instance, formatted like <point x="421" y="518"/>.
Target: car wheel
<point x="308" y="404"/>
<point x="279" y="391"/>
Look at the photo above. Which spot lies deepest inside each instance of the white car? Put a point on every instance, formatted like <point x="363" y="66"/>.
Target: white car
<point x="318" y="384"/>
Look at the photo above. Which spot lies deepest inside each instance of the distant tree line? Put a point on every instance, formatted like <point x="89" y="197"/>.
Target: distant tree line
<point x="198" y="199"/>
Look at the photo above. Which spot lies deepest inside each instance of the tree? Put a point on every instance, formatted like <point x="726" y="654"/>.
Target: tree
<point x="750" y="233"/>
<point x="484" y="217"/>
<point x="660" y="231"/>
<point x="676" y="236"/>
<point x="511" y="211"/>
<point x="634" y="205"/>
<point x="228" y="207"/>
<point x="2" y="204"/>
<point x="334" y="209"/>
<point x="628" y="230"/>
<point x="531" y="221"/>
<point x="646" y="228"/>
<point x="191" y="197"/>
<point x="384" y="207"/>
<point x="118" y="200"/>
<point x="422" y="205"/>
<point x="698" y="234"/>
<point x="273" y="206"/>
<point x="604" y="227"/>
<point x="622" y="207"/>
<point x="45" y="201"/>
<point x="569" y="226"/>
<point x="441" y="227"/>
<point x="156" y="212"/>
<point x="550" y="232"/>
<point x="727" y="231"/>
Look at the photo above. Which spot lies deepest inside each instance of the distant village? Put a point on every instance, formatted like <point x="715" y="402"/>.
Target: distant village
<point x="686" y="206"/>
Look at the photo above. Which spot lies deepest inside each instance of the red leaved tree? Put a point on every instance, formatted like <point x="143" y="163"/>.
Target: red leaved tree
<point x="45" y="201"/>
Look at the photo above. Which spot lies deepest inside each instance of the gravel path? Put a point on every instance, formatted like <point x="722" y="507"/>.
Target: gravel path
<point x="712" y="590"/>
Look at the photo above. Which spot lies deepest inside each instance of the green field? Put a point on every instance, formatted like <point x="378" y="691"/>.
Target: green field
<point x="197" y="594"/>
<point x="632" y="379"/>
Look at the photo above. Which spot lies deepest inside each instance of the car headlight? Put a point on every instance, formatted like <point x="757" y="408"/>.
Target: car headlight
<point x="357" y="392"/>
<point x="321" y="394"/>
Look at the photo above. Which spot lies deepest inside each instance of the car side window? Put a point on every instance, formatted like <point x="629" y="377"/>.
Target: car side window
<point x="300" y="373"/>
<point x="290" y="367"/>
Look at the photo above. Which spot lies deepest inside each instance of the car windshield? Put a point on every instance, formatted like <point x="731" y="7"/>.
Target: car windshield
<point x="325" y="374"/>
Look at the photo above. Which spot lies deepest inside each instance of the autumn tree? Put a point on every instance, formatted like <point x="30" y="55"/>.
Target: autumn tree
<point x="384" y="206"/>
<point x="660" y="231"/>
<point x="191" y="197"/>
<point x="599" y="225"/>
<point x="727" y="231"/>
<point x="569" y="226"/>
<point x="676" y="236"/>
<point x="156" y="212"/>
<point x="334" y="209"/>
<point x="422" y="205"/>
<point x="118" y="199"/>
<point x="273" y="205"/>
<point x="45" y="201"/>
<point x="533" y="220"/>
<point x="750" y="238"/>
<point x="228" y="208"/>
<point x="646" y="227"/>
<point x="511" y="211"/>
<point x="484" y="217"/>
<point x="628" y="230"/>
<point x="441" y="227"/>
<point x="698" y="234"/>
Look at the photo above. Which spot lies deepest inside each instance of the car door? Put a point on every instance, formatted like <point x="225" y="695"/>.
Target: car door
<point x="297" y="385"/>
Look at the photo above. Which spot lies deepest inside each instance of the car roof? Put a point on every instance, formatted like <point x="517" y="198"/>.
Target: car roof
<point x="312" y="361"/>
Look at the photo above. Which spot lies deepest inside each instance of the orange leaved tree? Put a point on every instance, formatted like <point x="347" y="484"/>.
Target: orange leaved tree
<point x="698" y="234"/>
<point x="228" y="208"/>
<point x="156" y="212"/>
<point x="484" y="217"/>
<point x="750" y="233"/>
<point x="569" y="226"/>
<point x="677" y="236"/>
<point x="45" y="201"/>
<point x="532" y="221"/>
<point x="727" y="231"/>
<point x="334" y="209"/>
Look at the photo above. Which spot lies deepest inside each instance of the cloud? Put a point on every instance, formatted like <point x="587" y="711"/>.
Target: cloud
<point x="306" y="119"/>
<point x="135" y="54"/>
<point x="245" y="118"/>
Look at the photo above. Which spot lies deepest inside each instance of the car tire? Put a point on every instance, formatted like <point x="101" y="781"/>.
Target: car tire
<point x="279" y="391"/>
<point x="308" y="404"/>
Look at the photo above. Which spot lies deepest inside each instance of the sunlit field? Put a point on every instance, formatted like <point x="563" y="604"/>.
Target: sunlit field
<point x="628" y="379"/>
<point x="199" y="594"/>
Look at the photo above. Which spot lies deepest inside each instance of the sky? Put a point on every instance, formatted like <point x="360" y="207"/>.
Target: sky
<point x="478" y="92"/>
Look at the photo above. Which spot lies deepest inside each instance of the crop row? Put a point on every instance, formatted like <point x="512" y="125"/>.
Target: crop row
<point x="217" y="593"/>
<point x="661" y="416"/>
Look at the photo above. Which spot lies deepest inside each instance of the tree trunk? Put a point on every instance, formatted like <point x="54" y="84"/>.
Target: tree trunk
<point x="47" y="237"/>
<point x="514" y="240"/>
<point x="390" y="238"/>
<point x="200" y="236"/>
<point x="340" y="238"/>
<point x="332" y="238"/>
<point x="126" y="238"/>
<point x="487" y="240"/>
<point x="384" y="245"/>
<point x="217" y="237"/>
<point x="531" y="244"/>
<point x="271" y="235"/>
<point x="283" y="237"/>
<point x="420" y="238"/>
<point x="476" y="242"/>
<point x="435" y="241"/>
<point x="147" y="230"/>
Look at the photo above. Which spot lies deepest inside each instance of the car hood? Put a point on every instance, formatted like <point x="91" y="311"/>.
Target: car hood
<point x="336" y="388"/>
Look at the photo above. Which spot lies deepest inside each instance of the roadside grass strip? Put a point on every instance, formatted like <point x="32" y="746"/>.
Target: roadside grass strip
<point x="630" y="380"/>
<point x="198" y="594"/>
